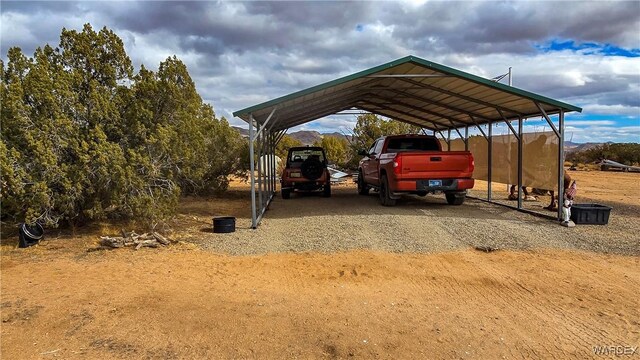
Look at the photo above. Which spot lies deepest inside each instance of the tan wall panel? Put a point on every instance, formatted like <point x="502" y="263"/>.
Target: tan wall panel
<point x="457" y="145"/>
<point x="478" y="147"/>
<point x="504" y="164"/>
<point x="539" y="158"/>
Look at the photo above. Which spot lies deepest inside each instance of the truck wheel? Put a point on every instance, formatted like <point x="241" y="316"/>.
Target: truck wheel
<point x="363" y="189"/>
<point x="286" y="193"/>
<point x="455" y="198"/>
<point x="327" y="190"/>
<point x="385" y="193"/>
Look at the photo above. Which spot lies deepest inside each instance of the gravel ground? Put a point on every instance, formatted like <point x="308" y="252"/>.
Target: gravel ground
<point x="346" y="221"/>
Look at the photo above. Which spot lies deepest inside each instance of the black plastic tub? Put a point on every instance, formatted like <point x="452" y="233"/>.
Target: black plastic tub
<point x="224" y="224"/>
<point x="30" y="235"/>
<point x="593" y="214"/>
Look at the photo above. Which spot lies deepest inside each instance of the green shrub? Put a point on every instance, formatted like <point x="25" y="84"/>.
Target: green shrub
<point x="85" y="138"/>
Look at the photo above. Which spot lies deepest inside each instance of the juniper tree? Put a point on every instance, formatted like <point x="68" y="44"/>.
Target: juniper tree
<point x="83" y="137"/>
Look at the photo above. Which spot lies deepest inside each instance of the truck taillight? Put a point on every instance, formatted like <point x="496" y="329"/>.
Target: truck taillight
<point x="472" y="163"/>
<point x="397" y="164"/>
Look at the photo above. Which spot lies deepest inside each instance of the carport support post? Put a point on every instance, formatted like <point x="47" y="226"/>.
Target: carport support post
<point x="270" y="172"/>
<point x="265" y="167"/>
<point x="466" y="138"/>
<point x="489" y="160"/>
<point x="560" y="163"/>
<point x="252" y="166"/>
<point x="267" y="164"/>
<point x="273" y="164"/>
<point x="259" y="143"/>
<point x="263" y="171"/>
<point x="520" y="162"/>
<point x="449" y="139"/>
<point x="269" y="169"/>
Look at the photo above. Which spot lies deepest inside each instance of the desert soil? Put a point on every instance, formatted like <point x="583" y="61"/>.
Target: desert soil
<point x="336" y="278"/>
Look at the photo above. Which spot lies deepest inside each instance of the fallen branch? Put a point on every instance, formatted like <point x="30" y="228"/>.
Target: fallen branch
<point x="132" y="239"/>
<point x="161" y="239"/>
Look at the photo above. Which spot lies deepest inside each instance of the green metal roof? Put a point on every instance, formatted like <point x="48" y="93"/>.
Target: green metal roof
<point x="412" y="90"/>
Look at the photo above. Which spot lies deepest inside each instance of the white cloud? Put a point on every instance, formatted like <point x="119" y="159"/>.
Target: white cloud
<point x="612" y="109"/>
<point x="574" y="123"/>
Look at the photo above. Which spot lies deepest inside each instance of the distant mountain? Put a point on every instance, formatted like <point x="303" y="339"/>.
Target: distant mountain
<point x="572" y="147"/>
<point x="304" y="136"/>
<point x="243" y="132"/>
<point x="338" y="135"/>
<point x="309" y="137"/>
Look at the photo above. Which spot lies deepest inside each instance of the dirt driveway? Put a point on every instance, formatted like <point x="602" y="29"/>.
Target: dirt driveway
<point x="331" y="278"/>
<point x="348" y="221"/>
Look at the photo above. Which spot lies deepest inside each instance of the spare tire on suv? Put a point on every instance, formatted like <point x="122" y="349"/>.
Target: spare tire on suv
<point x="312" y="168"/>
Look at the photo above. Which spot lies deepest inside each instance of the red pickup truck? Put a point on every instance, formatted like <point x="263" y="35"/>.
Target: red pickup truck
<point x="414" y="164"/>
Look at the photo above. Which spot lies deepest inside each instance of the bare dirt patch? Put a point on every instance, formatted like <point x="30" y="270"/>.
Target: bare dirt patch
<point x="194" y="304"/>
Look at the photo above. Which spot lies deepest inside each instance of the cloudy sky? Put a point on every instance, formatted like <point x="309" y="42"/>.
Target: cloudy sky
<point x="585" y="53"/>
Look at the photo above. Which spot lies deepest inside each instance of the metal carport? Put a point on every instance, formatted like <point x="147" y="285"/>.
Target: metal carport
<point x="413" y="90"/>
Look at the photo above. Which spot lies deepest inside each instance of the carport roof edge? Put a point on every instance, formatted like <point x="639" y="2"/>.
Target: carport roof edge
<point x="243" y="114"/>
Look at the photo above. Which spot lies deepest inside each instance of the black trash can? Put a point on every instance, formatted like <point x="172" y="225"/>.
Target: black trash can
<point x="30" y="235"/>
<point x="224" y="224"/>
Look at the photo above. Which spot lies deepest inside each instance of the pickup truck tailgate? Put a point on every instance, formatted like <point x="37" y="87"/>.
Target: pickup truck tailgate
<point x="440" y="164"/>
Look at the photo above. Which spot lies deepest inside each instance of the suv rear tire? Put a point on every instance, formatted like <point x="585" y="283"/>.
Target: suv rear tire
<point x="286" y="193"/>
<point x="385" y="193"/>
<point x="326" y="192"/>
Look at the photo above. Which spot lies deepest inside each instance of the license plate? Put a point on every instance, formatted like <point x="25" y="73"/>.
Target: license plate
<point x="295" y="175"/>
<point x="434" y="183"/>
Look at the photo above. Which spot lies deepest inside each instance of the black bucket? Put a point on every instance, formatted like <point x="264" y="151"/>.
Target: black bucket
<point x="30" y="235"/>
<point x="224" y="224"/>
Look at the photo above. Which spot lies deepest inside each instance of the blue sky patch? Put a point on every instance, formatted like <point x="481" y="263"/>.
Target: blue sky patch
<point x="588" y="48"/>
<point x="359" y="27"/>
